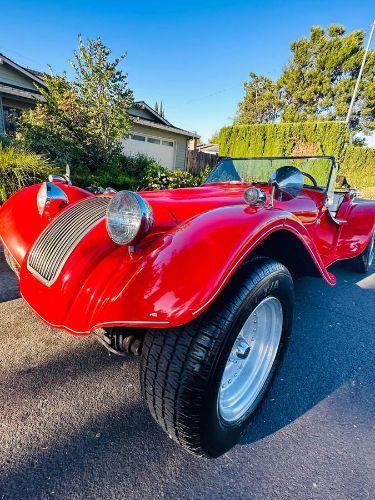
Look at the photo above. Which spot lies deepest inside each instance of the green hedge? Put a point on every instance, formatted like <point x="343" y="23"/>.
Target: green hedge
<point x="358" y="165"/>
<point x="283" y="139"/>
<point x="311" y="138"/>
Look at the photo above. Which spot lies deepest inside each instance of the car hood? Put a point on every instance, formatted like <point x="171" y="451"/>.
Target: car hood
<point x="185" y="203"/>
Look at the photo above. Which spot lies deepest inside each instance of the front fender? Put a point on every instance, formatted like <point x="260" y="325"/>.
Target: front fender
<point x="183" y="275"/>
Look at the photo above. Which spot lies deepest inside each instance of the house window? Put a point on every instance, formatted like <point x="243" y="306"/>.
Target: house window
<point x="153" y="140"/>
<point x="167" y="143"/>
<point x="11" y="116"/>
<point x="138" y="137"/>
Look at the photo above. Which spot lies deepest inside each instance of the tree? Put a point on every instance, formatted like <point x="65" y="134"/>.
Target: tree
<point x="83" y="120"/>
<point x="159" y="108"/>
<point x="319" y="79"/>
<point x="261" y="103"/>
<point x="317" y="83"/>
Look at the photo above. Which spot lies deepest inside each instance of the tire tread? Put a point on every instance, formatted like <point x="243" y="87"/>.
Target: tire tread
<point x="175" y="366"/>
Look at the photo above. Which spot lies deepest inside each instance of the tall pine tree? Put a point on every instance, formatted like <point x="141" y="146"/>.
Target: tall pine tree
<point x="316" y="84"/>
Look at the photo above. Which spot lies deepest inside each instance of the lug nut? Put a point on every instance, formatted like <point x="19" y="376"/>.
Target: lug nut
<point x="243" y="349"/>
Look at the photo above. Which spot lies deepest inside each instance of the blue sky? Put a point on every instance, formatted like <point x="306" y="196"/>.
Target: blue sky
<point x="193" y="55"/>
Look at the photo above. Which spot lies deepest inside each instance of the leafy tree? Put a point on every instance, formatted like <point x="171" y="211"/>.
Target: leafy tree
<point x="156" y="107"/>
<point x="83" y="120"/>
<point x="317" y="83"/>
<point x="261" y="103"/>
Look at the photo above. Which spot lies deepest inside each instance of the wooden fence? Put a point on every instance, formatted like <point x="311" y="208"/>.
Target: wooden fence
<point x="197" y="161"/>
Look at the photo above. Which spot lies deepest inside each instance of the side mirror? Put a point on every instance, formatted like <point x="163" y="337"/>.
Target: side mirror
<point x="287" y="183"/>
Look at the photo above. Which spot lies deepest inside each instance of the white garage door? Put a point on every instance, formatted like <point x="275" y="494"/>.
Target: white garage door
<point x="162" y="150"/>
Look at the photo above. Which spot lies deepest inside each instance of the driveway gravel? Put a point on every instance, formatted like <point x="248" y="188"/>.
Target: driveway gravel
<point x="73" y="424"/>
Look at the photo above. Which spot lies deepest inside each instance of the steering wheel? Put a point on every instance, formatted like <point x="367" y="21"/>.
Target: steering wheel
<point x="312" y="179"/>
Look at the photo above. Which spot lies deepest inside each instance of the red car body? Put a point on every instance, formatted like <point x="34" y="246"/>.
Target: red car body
<point x="199" y="238"/>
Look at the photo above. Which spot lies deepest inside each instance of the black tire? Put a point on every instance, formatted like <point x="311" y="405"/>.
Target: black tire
<point x="362" y="263"/>
<point x="181" y="368"/>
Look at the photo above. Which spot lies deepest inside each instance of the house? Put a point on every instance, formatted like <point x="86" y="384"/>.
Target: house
<point x="18" y="91"/>
<point x="152" y="135"/>
<point x="157" y="138"/>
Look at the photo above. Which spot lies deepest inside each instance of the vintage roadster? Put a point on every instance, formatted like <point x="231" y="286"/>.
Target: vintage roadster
<point x="197" y="281"/>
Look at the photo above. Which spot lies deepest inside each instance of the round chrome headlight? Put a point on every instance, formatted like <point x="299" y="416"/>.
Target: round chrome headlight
<point x="129" y="217"/>
<point x="255" y="196"/>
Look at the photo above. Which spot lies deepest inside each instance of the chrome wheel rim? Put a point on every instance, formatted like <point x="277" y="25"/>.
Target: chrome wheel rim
<point x="372" y="248"/>
<point x="250" y="360"/>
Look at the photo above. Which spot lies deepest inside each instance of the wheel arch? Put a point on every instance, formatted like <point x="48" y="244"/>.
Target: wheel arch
<point x="286" y="247"/>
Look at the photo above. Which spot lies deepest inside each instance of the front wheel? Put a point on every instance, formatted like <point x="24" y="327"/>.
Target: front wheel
<point x="203" y="381"/>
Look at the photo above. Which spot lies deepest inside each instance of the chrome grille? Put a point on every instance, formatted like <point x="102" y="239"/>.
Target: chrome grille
<point x="58" y="240"/>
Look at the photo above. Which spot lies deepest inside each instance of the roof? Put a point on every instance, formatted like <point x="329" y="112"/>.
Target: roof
<point x="144" y="105"/>
<point x="20" y="92"/>
<point x="164" y="125"/>
<point x="176" y="130"/>
<point x="34" y="75"/>
<point x="39" y="74"/>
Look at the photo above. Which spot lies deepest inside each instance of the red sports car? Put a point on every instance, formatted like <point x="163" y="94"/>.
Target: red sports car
<point x="198" y="281"/>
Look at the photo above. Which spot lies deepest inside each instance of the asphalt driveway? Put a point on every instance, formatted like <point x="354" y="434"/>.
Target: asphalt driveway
<point x="73" y="424"/>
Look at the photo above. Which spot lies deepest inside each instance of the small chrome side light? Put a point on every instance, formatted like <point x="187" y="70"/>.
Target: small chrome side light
<point x="50" y="199"/>
<point x="255" y="196"/>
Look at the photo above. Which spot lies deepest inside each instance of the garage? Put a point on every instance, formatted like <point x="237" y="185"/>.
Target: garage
<point x="161" y="149"/>
<point x="154" y="136"/>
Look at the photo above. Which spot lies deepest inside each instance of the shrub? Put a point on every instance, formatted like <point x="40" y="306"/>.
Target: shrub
<point x="18" y="169"/>
<point x="5" y="140"/>
<point x="158" y="177"/>
<point x="135" y="173"/>
<point x="121" y="172"/>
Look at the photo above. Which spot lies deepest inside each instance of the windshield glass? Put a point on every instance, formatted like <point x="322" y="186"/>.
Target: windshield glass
<point x="260" y="169"/>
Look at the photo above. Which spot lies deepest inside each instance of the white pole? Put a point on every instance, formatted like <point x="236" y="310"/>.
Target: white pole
<point x="350" y="110"/>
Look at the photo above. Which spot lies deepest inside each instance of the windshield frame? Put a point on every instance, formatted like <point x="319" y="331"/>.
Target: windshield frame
<point x="329" y="188"/>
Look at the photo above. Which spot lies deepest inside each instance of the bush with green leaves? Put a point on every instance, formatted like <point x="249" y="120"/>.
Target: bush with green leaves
<point x="139" y="173"/>
<point x="19" y="168"/>
<point x="121" y="172"/>
<point x="158" y="177"/>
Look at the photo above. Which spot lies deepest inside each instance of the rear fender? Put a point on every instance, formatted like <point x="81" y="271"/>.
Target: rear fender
<point x="357" y="230"/>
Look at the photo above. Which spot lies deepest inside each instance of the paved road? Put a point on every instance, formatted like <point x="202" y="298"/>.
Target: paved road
<point x="73" y="424"/>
